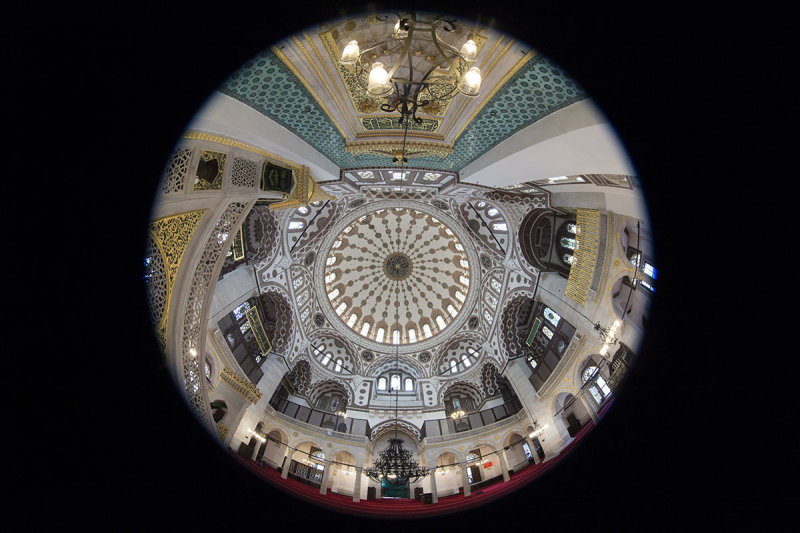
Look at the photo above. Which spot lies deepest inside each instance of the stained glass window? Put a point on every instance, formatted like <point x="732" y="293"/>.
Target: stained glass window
<point x="240" y="311"/>
<point x="495" y="284"/>
<point x="568" y="242"/>
<point x="551" y="316"/>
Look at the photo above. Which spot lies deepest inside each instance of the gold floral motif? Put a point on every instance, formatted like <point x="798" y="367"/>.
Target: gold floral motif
<point x="388" y="147"/>
<point x="241" y="385"/>
<point x="172" y="235"/>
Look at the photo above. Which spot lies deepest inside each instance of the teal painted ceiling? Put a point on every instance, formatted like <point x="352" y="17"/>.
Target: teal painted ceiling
<point x="536" y="90"/>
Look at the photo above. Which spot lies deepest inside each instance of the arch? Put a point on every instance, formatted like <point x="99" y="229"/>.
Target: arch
<point x="382" y="428"/>
<point x="462" y="389"/>
<point x="326" y="387"/>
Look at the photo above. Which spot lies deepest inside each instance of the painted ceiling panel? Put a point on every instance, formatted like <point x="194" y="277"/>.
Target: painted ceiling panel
<point x="270" y="87"/>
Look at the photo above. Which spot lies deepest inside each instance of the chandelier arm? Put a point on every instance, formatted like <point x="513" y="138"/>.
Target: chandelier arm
<point x="405" y="50"/>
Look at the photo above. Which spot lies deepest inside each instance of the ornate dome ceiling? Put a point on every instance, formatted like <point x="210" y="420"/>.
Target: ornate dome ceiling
<point x="397" y="275"/>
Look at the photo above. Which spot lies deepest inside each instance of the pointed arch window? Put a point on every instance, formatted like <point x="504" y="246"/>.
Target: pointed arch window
<point x="500" y="226"/>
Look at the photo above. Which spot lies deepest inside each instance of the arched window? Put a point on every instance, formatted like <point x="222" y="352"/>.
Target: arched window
<point x="427" y="330"/>
<point x="492" y="212"/>
<point x="453" y="368"/>
<point x="463" y="263"/>
<point x="352" y="320"/>
<point x="331" y="260"/>
<point x="599" y="389"/>
<point x="341" y="308"/>
<point x="568" y="259"/>
<point x="296" y="224"/>
<point x="303" y="210"/>
<point x="396" y="336"/>
<point x="412" y="335"/>
<point x="338" y="365"/>
<point x="333" y="294"/>
<point x="409" y="385"/>
<point x="325" y="359"/>
<point x="330" y="277"/>
<point x="440" y="322"/>
<point x="365" y="329"/>
<point x="568" y="242"/>
<point x="500" y="226"/>
<point x="572" y="228"/>
<point x="451" y="310"/>
<point x="395" y="382"/>
<point x="465" y="360"/>
<point x="460" y="296"/>
<point x="379" y="335"/>
<point x="381" y="383"/>
<point x="464" y="280"/>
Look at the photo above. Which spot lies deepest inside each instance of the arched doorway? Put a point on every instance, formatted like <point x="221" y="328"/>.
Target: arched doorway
<point x="343" y="473"/>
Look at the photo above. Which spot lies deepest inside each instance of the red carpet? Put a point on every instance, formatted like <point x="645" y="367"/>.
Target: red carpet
<point x="402" y="508"/>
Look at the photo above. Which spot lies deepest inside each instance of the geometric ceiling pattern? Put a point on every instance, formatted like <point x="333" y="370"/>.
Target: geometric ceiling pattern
<point x="536" y="90"/>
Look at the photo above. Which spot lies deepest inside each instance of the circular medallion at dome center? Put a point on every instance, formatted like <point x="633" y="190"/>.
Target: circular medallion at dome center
<point x="397" y="266"/>
<point x="397" y="275"/>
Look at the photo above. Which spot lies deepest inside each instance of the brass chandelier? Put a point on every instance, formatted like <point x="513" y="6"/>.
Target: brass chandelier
<point x="423" y="69"/>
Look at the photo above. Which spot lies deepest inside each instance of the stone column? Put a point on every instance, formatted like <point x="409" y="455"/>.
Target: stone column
<point x="326" y="474"/>
<point x="590" y="408"/>
<point x="465" y="481"/>
<point x="501" y="455"/>
<point x="529" y="440"/>
<point x="434" y="494"/>
<point x="255" y="448"/>
<point x="357" y="487"/>
<point x="287" y="459"/>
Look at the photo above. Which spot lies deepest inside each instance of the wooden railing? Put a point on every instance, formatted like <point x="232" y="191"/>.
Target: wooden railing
<point x="322" y="419"/>
<point x="442" y="428"/>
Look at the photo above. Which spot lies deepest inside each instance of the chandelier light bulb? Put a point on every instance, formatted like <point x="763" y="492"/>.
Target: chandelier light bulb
<point x="470" y="83"/>
<point x="379" y="83"/>
<point x="469" y="51"/>
<point x="350" y="53"/>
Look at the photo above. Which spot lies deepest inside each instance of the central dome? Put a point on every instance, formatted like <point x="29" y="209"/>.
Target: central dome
<point x="397" y="275"/>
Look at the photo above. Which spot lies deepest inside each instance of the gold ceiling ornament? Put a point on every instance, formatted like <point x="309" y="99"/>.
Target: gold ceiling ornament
<point x="306" y="191"/>
<point x="391" y="148"/>
<point x="171" y="235"/>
